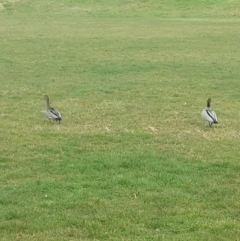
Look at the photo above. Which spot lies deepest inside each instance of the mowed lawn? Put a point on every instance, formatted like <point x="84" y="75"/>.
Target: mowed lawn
<point x="132" y="158"/>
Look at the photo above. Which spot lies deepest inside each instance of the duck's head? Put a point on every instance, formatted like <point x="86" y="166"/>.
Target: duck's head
<point x="208" y="102"/>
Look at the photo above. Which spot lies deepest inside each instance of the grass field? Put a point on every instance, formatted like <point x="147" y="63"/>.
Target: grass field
<point x="132" y="158"/>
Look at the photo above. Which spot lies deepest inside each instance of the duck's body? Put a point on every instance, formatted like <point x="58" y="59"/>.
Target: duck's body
<point x="50" y="112"/>
<point x="208" y="114"/>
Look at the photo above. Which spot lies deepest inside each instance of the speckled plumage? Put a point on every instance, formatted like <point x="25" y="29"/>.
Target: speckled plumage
<point x="50" y="112"/>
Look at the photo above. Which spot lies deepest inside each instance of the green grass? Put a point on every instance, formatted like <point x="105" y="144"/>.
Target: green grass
<point x="127" y="8"/>
<point x="132" y="159"/>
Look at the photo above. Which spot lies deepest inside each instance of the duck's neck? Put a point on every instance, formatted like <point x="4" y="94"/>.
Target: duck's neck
<point x="47" y="103"/>
<point x="208" y="103"/>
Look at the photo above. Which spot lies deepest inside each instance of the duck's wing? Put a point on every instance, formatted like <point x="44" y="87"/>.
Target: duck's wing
<point x="53" y="114"/>
<point x="209" y="115"/>
<point x="214" y="116"/>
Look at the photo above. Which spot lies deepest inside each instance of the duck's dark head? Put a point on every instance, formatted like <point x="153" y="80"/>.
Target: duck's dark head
<point x="46" y="97"/>
<point x="208" y="102"/>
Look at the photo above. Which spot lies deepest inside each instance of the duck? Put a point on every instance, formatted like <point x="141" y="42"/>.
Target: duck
<point x="50" y="112"/>
<point x="209" y="115"/>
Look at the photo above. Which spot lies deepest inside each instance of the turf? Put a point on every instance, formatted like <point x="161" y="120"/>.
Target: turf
<point x="132" y="159"/>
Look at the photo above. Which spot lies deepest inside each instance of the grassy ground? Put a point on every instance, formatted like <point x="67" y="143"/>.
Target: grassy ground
<point x="132" y="159"/>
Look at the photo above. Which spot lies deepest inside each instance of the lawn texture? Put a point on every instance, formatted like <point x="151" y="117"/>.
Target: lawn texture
<point x="132" y="158"/>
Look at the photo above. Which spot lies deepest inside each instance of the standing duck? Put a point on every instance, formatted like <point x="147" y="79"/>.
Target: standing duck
<point x="50" y="112"/>
<point x="208" y="114"/>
